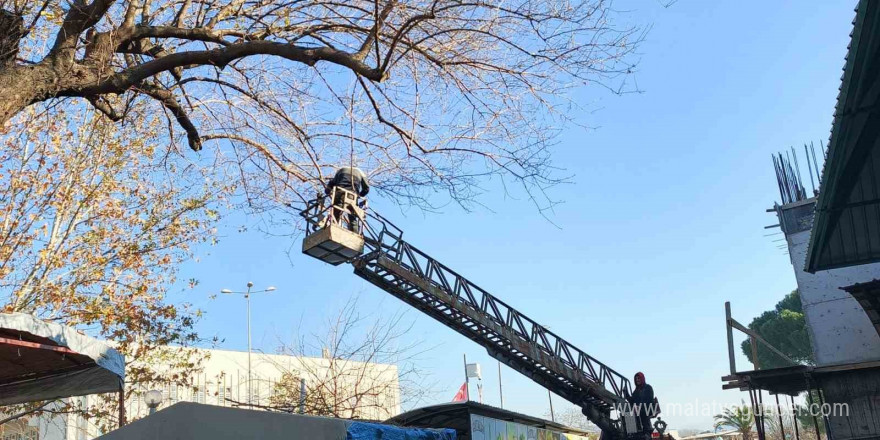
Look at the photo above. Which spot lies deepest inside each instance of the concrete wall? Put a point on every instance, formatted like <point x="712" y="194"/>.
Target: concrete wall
<point x="840" y="331"/>
<point x="224" y="376"/>
<point x="839" y="328"/>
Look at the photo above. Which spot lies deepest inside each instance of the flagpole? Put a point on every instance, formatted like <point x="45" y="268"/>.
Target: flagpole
<point x="466" y="381"/>
<point x="500" y="390"/>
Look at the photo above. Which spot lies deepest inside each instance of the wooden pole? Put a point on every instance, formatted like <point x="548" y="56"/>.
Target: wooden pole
<point x="754" y="344"/>
<point x="779" y="414"/>
<point x="500" y="390"/>
<point x="122" y="406"/>
<point x="753" y="399"/>
<point x="813" y="413"/>
<point x="730" y="353"/>
<point x="467" y="381"/>
<point x="821" y="394"/>
<point x="761" y="409"/>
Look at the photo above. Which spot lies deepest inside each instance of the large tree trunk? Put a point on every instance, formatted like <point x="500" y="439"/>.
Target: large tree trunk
<point x="11" y="28"/>
<point x="24" y="84"/>
<point x="20" y="86"/>
<point x="13" y="86"/>
<point x="16" y="96"/>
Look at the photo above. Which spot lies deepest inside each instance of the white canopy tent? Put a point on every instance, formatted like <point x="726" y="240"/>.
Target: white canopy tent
<point x="41" y="360"/>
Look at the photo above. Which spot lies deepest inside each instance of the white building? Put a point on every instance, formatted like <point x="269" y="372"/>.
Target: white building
<point x="350" y="389"/>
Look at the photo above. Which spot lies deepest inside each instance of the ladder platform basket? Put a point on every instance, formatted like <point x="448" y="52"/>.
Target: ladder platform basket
<point x="333" y="244"/>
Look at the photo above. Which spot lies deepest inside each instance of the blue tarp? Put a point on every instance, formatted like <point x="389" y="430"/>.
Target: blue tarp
<point x="374" y="431"/>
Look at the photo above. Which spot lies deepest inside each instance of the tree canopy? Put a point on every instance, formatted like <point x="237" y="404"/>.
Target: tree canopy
<point x="93" y="227"/>
<point x="785" y="328"/>
<point x="428" y="95"/>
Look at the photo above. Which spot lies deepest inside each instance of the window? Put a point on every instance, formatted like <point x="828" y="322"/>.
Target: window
<point x="198" y="394"/>
<point x="225" y="393"/>
<point x="188" y="394"/>
<point x="26" y="433"/>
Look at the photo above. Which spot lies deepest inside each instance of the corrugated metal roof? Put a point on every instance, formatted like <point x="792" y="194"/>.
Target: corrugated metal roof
<point x="846" y="229"/>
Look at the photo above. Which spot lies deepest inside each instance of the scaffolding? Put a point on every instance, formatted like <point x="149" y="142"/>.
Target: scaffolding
<point x="788" y="381"/>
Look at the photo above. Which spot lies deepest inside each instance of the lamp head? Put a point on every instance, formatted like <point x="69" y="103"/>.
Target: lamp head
<point x="225" y="291"/>
<point x="153" y="399"/>
<point x="270" y="288"/>
<point x="250" y="284"/>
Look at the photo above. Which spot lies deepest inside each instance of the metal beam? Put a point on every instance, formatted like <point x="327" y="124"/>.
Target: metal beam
<point x="752" y="334"/>
<point x="29" y="344"/>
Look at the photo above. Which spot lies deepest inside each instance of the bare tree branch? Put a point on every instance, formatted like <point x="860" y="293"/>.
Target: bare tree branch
<point x="166" y="97"/>
<point x="366" y="370"/>
<point x="435" y="97"/>
<point x="101" y="104"/>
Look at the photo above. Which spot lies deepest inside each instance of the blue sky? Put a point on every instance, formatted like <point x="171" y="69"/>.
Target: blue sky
<point x="663" y="221"/>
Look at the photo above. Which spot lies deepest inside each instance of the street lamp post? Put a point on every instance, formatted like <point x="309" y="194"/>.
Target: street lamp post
<point x="247" y="297"/>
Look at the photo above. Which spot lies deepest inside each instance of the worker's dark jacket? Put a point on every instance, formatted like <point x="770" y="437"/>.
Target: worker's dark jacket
<point x="350" y="178"/>
<point x="641" y="399"/>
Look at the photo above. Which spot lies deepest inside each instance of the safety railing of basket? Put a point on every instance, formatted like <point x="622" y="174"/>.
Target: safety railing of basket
<point x="379" y="233"/>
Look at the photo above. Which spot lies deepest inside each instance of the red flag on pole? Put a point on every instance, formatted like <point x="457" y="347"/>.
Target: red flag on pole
<point x="462" y="394"/>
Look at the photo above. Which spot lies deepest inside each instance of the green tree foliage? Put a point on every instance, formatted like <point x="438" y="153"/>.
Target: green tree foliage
<point x="783" y="327"/>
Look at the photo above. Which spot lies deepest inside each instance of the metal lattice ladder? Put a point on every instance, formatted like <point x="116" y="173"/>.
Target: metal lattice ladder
<point x="412" y="276"/>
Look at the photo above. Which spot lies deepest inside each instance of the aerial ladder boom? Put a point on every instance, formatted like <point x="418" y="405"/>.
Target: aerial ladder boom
<point x="346" y="233"/>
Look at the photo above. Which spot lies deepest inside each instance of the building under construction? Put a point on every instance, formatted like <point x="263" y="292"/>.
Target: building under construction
<point x="832" y="237"/>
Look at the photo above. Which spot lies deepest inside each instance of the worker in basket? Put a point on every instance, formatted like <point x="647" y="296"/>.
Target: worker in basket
<point x="351" y="179"/>
<point x="644" y="404"/>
